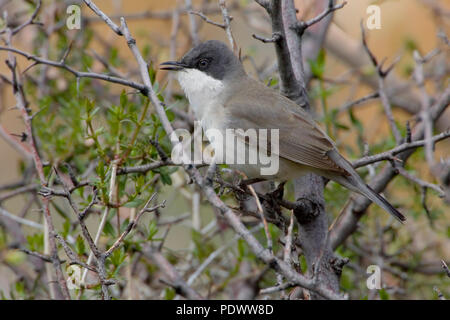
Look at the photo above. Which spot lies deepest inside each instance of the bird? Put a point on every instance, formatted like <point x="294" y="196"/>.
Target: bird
<point x="223" y="96"/>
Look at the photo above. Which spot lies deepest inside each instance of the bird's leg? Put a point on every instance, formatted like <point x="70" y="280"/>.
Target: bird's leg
<point x="271" y="201"/>
<point x="247" y="182"/>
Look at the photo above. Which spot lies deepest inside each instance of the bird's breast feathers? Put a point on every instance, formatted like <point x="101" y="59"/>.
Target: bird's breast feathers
<point x="201" y="90"/>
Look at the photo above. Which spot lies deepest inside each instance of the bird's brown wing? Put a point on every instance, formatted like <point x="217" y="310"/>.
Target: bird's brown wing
<point x="301" y="140"/>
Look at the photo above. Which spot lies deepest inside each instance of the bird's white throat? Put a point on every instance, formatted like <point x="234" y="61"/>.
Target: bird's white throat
<point x="202" y="90"/>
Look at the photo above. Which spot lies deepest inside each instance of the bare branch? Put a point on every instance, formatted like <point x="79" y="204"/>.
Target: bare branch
<point x="227" y="23"/>
<point x="207" y="20"/>
<point x="175" y="279"/>
<point x="381" y="89"/>
<point x="266" y="4"/>
<point x="22" y="105"/>
<point x="28" y="22"/>
<point x="104" y="17"/>
<point x="145" y="167"/>
<point x="192" y="24"/>
<point x="133" y="223"/>
<point x="275" y="37"/>
<point x="446" y="268"/>
<point x="301" y="26"/>
<point x="359" y="101"/>
<point x="76" y="73"/>
<point x="389" y="155"/>
<point x="425" y="112"/>
<point x="72" y="255"/>
<point x="420" y="182"/>
<point x="20" y="220"/>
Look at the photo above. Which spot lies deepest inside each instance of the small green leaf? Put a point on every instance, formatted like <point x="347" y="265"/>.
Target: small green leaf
<point x="318" y="66"/>
<point x="303" y="264"/>
<point x="169" y="293"/>
<point x="165" y="176"/>
<point x="80" y="248"/>
<point x="134" y="204"/>
<point x="383" y="294"/>
<point x="109" y="229"/>
<point x="66" y="228"/>
<point x="123" y="99"/>
<point x="152" y="230"/>
<point x="118" y="257"/>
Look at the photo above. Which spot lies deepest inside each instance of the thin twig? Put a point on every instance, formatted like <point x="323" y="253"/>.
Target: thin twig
<point x="381" y="87"/>
<point x="20" y="220"/>
<point x="420" y="182"/>
<point x="175" y="279"/>
<point x="301" y="26"/>
<point x="389" y="155"/>
<point x="227" y="23"/>
<point x="29" y="21"/>
<point x="112" y="188"/>
<point x="207" y="20"/>
<point x="133" y="224"/>
<point x="103" y="16"/>
<point x="276" y="36"/>
<point x="22" y="105"/>
<point x="425" y="111"/>
<point x="78" y="74"/>
<point x="263" y="218"/>
<point x="192" y="24"/>
<point x="359" y="101"/>
<point x="446" y="268"/>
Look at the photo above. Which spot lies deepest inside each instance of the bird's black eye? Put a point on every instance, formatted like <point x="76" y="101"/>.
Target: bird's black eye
<point x="203" y="63"/>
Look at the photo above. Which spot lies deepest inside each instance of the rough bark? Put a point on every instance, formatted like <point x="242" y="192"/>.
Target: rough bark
<point x="310" y="213"/>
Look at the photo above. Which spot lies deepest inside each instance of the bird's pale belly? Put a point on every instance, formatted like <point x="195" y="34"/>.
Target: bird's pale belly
<point x="287" y="170"/>
<point x="254" y="162"/>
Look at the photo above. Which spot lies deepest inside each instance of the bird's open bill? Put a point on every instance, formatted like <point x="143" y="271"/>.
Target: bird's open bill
<point x="172" y="66"/>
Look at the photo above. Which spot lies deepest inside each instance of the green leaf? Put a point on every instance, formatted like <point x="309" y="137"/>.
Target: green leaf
<point x="241" y="249"/>
<point x="383" y="294"/>
<point x="152" y="73"/>
<point x="14" y="257"/>
<point x="318" y="66"/>
<point x="118" y="257"/>
<point x="66" y="228"/>
<point x="165" y="176"/>
<point x="123" y="99"/>
<point x="36" y="242"/>
<point x="80" y="248"/>
<point x="169" y="293"/>
<point x="134" y="204"/>
<point x="303" y="264"/>
<point x="152" y="230"/>
<point x="109" y="229"/>
<point x="114" y="57"/>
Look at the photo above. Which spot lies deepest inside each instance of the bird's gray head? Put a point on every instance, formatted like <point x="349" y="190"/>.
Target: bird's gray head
<point x="211" y="57"/>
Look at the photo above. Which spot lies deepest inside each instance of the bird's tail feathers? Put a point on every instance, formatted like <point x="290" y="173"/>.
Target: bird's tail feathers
<point x="355" y="183"/>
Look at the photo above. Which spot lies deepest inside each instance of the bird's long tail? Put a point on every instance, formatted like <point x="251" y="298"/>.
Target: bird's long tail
<point x="355" y="183"/>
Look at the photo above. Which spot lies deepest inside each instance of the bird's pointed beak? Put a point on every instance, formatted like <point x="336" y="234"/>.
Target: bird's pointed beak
<point x="172" y="66"/>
